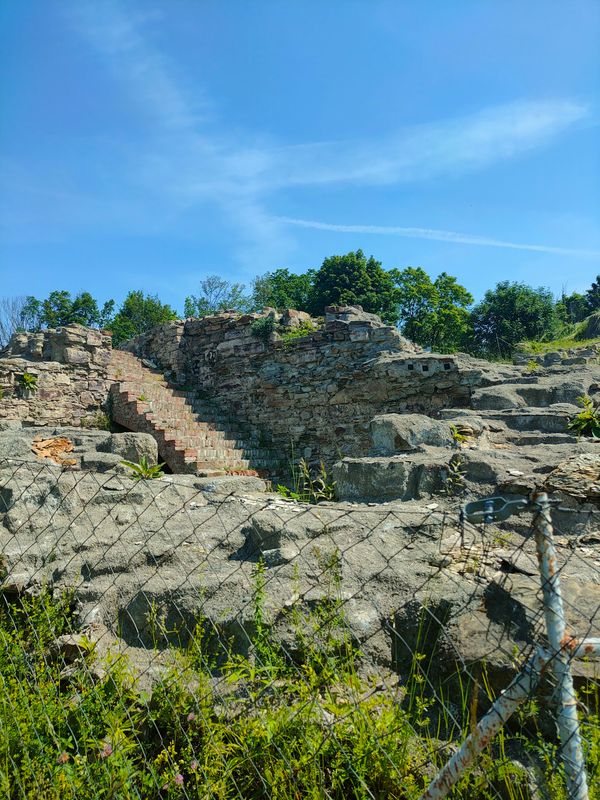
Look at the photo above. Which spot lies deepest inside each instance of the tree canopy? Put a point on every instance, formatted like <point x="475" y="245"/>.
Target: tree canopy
<point x="137" y="314"/>
<point x="432" y="313"/>
<point x="59" y="308"/>
<point x="217" y="294"/>
<point x="283" y="289"/>
<point x="511" y="313"/>
<point x="354" y="279"/>
<point x="593" y="296"/>
<point x="435" y="313"/>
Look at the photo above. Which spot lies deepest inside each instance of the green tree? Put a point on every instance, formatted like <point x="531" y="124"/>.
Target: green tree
<point x="60" y="309"/>
<point x="353" y="279"/>
<point x="593" y="296"/>
<point x="283" y="289"/>
<point x="217" y="294"/>
<point x="432" y="313"/>
<point x="511" y="313"/>
<point x="573" y="308"/>
<point x="138" y="313"/>
<point x="31" y="314"/>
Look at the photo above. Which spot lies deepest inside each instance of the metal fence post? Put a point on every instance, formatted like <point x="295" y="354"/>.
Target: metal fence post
<point x="567" y="719"/>
<point x="519" y="690"/>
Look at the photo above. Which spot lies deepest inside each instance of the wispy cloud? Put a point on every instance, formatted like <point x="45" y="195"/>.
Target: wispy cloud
<point x="188" y="158"/>
<point x="440" y="236"/>
<point x="448" y="146"/>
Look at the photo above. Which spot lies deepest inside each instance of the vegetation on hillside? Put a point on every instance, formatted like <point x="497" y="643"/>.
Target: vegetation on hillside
<point x="221" y="725"/>
<point x="436" y="313"/>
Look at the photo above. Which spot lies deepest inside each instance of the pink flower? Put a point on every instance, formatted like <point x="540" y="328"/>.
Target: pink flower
<point x="191" y="716"/>
<point x="193" y="765"/>
<point x="106" y="751"/>
<point x="178" y="779"/>
<point x="63" y="758"/>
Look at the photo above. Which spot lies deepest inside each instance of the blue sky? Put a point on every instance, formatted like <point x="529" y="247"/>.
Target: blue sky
<point x="150" y="144"/>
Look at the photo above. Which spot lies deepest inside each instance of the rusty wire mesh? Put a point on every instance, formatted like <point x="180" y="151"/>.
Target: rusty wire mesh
<point x="184" y="638"/>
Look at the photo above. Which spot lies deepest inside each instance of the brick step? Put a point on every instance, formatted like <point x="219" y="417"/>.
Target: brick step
<point x="193" y="434"/>
<point x="164" y="398"/>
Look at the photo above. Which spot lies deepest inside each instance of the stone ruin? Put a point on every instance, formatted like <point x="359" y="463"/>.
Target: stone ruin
<point x="408" y="436"/>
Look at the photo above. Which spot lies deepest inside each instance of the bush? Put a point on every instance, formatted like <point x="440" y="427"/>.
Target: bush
<point x="263" y="327"/>
<point x="586" y="422"/>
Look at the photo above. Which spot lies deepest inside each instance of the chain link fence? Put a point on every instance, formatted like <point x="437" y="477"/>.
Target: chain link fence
<point x="198" y="638"/>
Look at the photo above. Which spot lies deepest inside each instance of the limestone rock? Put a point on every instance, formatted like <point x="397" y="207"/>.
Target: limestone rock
<point x="134" y="446"/>
<point x="390" y="478"/>
<point x="394" y="433"/>
<point x="577" y="477"/>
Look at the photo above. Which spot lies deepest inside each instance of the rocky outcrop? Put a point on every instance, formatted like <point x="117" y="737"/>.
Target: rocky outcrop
<point x="97" y="451"/>
<point x="69" y="368"/>
<point x="312" y="395"/>
<point x="180" y="549"/>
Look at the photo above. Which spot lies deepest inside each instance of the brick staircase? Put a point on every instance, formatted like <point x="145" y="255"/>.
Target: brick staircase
<point x="192" y="435"/>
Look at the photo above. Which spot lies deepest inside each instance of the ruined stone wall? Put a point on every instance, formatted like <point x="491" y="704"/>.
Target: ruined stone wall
<point x="70" y="365"/>
<point x="316" y="393"/>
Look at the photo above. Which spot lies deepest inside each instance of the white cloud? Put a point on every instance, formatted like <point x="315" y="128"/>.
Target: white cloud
<point x="191" y="164"/>
<point x="420" y="152"/>
<point x="441" y="236"/>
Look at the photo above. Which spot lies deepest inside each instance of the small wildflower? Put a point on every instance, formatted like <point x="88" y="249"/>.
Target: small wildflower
<point x="106" y="751"/>
<point x="193" y="765"/>
<point x="63" y="758"/>
<point x="178" y="779"/>
<point x="191" y="716"/>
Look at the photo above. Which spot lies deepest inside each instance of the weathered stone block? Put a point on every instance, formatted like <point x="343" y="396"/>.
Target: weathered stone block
<point x="393" y="433"/>
<point x="74" y="355"/>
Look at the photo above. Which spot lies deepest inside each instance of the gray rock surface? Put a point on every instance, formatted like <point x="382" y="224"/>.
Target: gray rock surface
<point x="134" y="446"/>
<point x="167" y="550"/>
<point x="92" y="449"/>
<point x="378" y="479"/>
<point x="394" y="433"/>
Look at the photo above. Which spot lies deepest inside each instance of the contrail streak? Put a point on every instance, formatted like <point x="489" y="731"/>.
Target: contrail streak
<point x="440" y="236"/>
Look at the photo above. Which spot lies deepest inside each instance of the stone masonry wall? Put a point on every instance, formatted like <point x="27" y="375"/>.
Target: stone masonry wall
<point x="70" y="364"/>
<point x="315" y="394"/>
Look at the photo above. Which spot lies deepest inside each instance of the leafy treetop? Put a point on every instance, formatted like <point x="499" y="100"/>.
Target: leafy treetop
<point x="511" y="313"/>
<point x="354" y="279"/>
<point x="217" y="294"/>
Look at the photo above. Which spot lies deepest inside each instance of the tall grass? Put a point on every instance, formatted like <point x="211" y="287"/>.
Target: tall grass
<point x="304" y="721"/>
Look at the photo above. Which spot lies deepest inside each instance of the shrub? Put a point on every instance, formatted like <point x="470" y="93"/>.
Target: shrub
<point x="263" y="327"/>
<point x="586" y="422"/>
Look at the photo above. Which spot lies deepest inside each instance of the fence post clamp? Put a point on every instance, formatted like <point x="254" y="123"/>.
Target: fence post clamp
<point x="493" y="509"/>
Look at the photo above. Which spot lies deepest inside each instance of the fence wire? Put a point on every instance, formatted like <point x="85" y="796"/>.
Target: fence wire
<point x="195" y="638"/>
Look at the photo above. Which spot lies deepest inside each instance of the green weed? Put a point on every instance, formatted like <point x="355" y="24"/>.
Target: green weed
<point x="290" y="335"/>
<point x="586" y="422"/>
<point x="454" y="483"/>
<point x="143" y="470"/>
<point x="28" y="382"/>
<point x="97" y="421"/>
<point x="459" y="438"/>
<point x="301" y="721"/>
<point x="308" y="487"/>
<point x="263" y="327"/>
